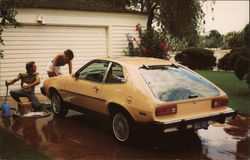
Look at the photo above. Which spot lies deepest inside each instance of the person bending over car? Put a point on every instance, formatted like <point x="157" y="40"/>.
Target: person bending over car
<point x="29" y="80"/>
<point x="54" y="68"/>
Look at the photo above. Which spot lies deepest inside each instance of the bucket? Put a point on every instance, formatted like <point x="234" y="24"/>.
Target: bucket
<point x="6" y="110"/>
<point x="24" y="107"/>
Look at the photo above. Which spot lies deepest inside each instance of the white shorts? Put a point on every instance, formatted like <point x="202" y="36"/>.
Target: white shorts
<point x="58" y="68"/>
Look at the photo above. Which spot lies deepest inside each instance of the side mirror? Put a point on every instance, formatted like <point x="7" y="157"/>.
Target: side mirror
<point x="120" y="79"/>
<point x="123" y="80"/>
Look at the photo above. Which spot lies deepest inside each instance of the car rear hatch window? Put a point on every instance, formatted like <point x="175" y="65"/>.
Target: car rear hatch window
<point x="173" y="83"/>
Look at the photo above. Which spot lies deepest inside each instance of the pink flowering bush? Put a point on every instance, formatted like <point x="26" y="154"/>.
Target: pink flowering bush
<point x="151" y="43"/>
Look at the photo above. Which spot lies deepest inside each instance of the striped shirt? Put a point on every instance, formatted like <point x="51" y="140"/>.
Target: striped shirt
<point x="27" y="78"/>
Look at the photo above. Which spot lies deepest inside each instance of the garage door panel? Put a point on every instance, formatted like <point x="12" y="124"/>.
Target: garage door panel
<point x="28" y="34"/>
<point x="53" y="52"/>
<point x="42" y="43"/>
<point x="54" y="38"/>
<point x="84" y="54"/>
<point x="58" y="29"/>
<point x="14" y="67"/>
<point x="26" y="59"/>
<point x="50" y="42"/>
<point x="59" y="46"/>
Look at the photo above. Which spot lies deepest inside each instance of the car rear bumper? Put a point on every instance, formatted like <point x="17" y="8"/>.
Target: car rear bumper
<point x="191" y="123"/>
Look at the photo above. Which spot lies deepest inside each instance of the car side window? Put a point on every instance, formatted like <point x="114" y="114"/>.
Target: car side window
<point x="115" y="74"/>
<point x="94" y="71"/>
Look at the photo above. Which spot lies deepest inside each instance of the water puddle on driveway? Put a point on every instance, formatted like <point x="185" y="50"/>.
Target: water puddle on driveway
<point x="229" y="141"/>
<point x="79" y="137"/>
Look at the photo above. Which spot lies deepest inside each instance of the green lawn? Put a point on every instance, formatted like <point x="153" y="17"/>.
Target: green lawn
<point x="12" y="148"/>
<point x="237" y="91"/>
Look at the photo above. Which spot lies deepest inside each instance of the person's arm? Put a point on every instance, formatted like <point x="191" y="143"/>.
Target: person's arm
<point x="36" y="82"/>
<point x="54" y="64"/>
<point x="13" y="81"/>
<point x="70" y="66"/>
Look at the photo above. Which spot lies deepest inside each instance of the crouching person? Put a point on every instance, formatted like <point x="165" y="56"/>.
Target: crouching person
<point x="29" y="80"/>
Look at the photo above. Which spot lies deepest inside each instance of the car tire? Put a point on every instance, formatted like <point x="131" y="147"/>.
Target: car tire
<point x="122" y="127"/>
<point x="58" y="105"/>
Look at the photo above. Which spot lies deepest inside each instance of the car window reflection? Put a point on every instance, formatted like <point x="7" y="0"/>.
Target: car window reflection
<point x="94" y="71"/>
<point x="115" y="74"/>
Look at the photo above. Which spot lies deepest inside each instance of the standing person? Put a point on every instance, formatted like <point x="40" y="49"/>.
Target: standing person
<point x="60" y="60"/>
<point x="29" y="80"/>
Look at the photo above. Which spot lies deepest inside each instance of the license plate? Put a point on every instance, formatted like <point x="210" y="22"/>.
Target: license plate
<point x="201" y="125"/>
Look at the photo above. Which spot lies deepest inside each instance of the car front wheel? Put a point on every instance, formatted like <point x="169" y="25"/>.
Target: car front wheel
<point x="58" y="106"/>
<point x="121" y="127"/>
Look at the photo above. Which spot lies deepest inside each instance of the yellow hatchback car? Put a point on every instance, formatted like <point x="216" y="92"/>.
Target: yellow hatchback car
<point x="133" y="91"/>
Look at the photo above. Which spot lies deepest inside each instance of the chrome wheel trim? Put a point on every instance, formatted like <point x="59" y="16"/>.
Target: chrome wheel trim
<point x="120" y="127"/>
<point x="56" y="103"/>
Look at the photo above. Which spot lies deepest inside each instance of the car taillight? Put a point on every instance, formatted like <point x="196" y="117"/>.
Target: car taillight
<point x="219" y="102"/>
<point x="166" y="110"/>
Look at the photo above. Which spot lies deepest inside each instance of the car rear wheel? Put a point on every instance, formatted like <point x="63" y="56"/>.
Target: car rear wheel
<point x="122" y="127"/>
<point x="58" y="106"/>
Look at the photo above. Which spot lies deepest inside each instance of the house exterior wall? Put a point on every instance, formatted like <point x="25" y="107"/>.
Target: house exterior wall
<point x="46" y="33"/>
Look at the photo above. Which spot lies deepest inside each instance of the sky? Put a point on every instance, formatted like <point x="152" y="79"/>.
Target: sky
<point x="229" y="15"/>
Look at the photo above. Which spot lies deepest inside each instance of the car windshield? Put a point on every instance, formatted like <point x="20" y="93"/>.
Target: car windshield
<point x="173" y="83"/>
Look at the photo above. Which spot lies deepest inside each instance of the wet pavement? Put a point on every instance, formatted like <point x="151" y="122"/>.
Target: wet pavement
<point x="78" y="136"/>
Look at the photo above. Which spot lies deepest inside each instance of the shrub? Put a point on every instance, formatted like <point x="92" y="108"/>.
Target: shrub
<point x="247" y="35"/>
<point x="151" y="43"/>
<point x="248" y="76"/>
<point x="241" y="59"/>
<point x="237" y="60"/>
<point x="237" y="40"/>
<point x="197" y="58"/>
<point x="225" y="63"/>
<point x="237" y="52"/>
<point x="241" y="67"/>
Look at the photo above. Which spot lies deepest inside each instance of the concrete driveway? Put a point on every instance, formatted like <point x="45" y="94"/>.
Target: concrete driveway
<point x="78" y="136"/>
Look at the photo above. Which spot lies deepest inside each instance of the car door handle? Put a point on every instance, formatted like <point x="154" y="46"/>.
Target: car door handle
<point x="95" y="89"/>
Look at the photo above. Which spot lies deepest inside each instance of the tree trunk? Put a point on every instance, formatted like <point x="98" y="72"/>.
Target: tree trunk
<point x="151" y="15"/>
<point x="142" y="6"/>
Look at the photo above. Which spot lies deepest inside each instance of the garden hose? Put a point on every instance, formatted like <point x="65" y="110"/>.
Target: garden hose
<point x="43" y="113"/>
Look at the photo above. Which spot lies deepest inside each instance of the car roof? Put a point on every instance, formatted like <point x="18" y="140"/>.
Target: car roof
<point x="139" y="61"/>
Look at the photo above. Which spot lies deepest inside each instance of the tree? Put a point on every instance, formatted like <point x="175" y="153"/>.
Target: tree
<point x="237" y="40"/>
<point x="7" y="17"/>
<point x="247" y="35"/>
<point x="214" y="33"/>
<point x="213" y="40"/>
<point x="181" y="19"/>
<point x="216" y="37"/>
<point x="234" y="40"/>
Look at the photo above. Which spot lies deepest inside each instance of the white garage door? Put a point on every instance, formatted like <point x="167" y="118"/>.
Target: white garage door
<point x="42" y="43"/>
